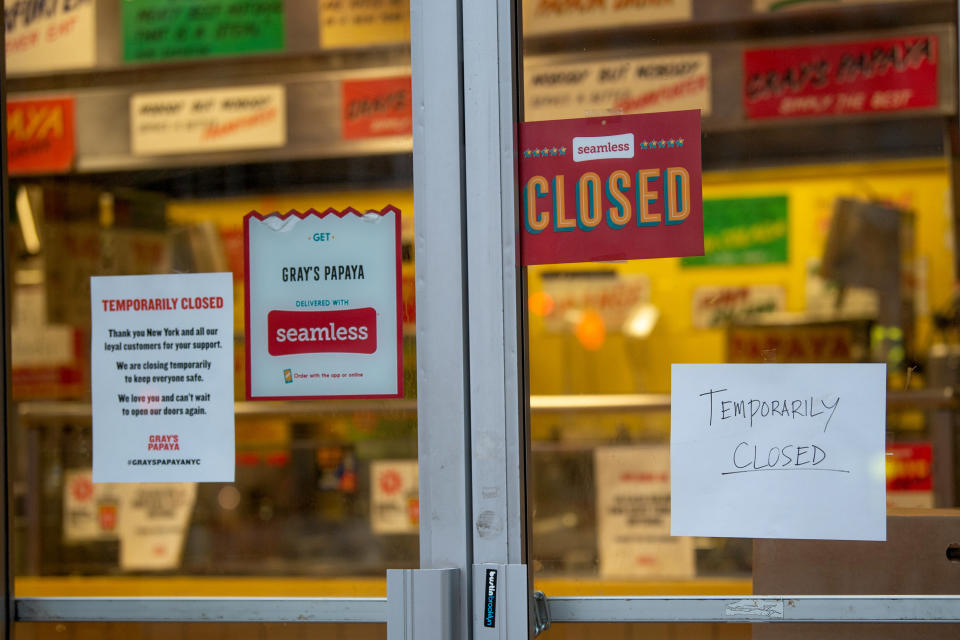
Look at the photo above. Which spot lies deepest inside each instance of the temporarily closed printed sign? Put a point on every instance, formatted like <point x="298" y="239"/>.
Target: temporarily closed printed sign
<point x="892" y="74"/>
<point x="778" y="451"/>
<point x="50" y="36"/>
<point x="40" y="135"/>
<point x="162" y="378"/>
<point x="323" y="304"/>
<point x="252" y="117"/>
<point x="622" y="85"/>
<point x="611" y="188"/>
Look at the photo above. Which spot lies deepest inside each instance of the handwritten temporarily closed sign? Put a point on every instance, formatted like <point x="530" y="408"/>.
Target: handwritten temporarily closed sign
<point x="778" y="451"/>
<point x="611" y="188"/>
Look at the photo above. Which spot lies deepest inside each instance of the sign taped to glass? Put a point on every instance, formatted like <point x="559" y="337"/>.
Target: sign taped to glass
<point x="611" y="188"/>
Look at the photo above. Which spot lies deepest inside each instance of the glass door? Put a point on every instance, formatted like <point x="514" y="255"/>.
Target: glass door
<point x="821" y="122"/>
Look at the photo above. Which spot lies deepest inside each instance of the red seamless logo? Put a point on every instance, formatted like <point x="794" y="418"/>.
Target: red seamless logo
<point x="341" y="331"/>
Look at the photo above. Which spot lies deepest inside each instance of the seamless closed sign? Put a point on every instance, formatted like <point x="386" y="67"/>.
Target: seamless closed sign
<point x="322" y="304"/>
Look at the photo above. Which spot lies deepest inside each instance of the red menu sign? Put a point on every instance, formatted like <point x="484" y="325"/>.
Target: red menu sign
<point x="379" y="107"/>
<point x="40" y="135"/>
<point x="611" y="188"/>
<point x="893" y="74"/>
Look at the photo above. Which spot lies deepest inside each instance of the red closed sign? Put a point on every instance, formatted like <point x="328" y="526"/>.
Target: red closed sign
<point x="340" y="331"/>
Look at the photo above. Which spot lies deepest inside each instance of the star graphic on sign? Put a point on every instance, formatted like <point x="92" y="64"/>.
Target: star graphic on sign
<point x="553" y="151"/>
<point x="671" y="142"/>
<point x="679" y="142"/>
<point x="527" y="153"/>
<point x="546" y="151"/>
<point x="536" y="153"/>
<point x="563" y="151"/>
<point x="644" y="145"/>
<point x="663" y="143"/>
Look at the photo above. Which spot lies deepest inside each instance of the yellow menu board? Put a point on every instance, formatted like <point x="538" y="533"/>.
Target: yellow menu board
<point x="360" y="23"/>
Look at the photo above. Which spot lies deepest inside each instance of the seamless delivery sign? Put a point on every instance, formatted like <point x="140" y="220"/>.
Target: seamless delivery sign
<point x="611" y="188"/>
<point x="322" y="304"/>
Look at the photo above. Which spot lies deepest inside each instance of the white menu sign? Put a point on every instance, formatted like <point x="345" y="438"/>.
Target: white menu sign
<point x="50" y="36"/>
<point x="778" y="451"/>
<point x="633" y="515"/>
<point x="621" y="85"/>
<point x="253" y="117"/>
<point x="542" y="17"/>
<point x="323" y="313"/>
<point x="162" y="378"/>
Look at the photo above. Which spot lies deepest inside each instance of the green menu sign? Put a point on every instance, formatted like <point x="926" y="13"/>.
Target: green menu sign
<point x="155" y="30"/>
<point x="743" y="231"/>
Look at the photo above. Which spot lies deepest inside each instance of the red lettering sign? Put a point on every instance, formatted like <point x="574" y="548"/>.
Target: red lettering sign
<point x="611" y="188"/>
<point x="894" y="74"/>
<point x="40" y="135"/>
<point x="341" y="331"/>
<point x="380" y="107"/>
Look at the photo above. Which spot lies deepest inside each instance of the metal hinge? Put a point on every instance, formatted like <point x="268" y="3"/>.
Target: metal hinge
<point x="541" y="613"/>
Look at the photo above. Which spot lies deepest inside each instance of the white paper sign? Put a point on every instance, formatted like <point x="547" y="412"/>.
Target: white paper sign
<point x="154" y="523"/>
<point x="542" y="17"/>
<point x="632" y="85"/>
<point x="778" y="451"/>
<point x="162" y="378"/>
<point x="322" y="305"/>
<point x="251" y="117"/>
<point x="50" y="36"/>
<point x="394" y="497"/>
<point x="633" y="515"/>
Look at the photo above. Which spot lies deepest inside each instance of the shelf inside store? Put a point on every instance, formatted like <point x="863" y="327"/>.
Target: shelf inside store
<point x="38" y="412"/>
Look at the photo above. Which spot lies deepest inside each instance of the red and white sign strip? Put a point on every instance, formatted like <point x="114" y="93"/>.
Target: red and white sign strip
<point x="322" y="304"/>
<point x="162" y="378"/>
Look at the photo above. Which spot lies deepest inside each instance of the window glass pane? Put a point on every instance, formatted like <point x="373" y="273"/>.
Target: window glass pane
<point x="178" y="630"/>
<point x="800" y="173"/>
<point x="139" y="138"/>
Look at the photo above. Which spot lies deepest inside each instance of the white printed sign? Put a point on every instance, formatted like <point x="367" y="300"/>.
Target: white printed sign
<point x="253" y="117"/>
<point x="717" y="306"/>
<point x="162" y="378"/>
<point x="50" y="35"/>
<point x="154" y="524"/>
<point x="778" y="451"/>
<point x="323" y="317"/>
<point x="394" y="497"/>
<point x="633" y="85"/>
<point x="541" y="17"/>
<point x="633" y="515"/>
